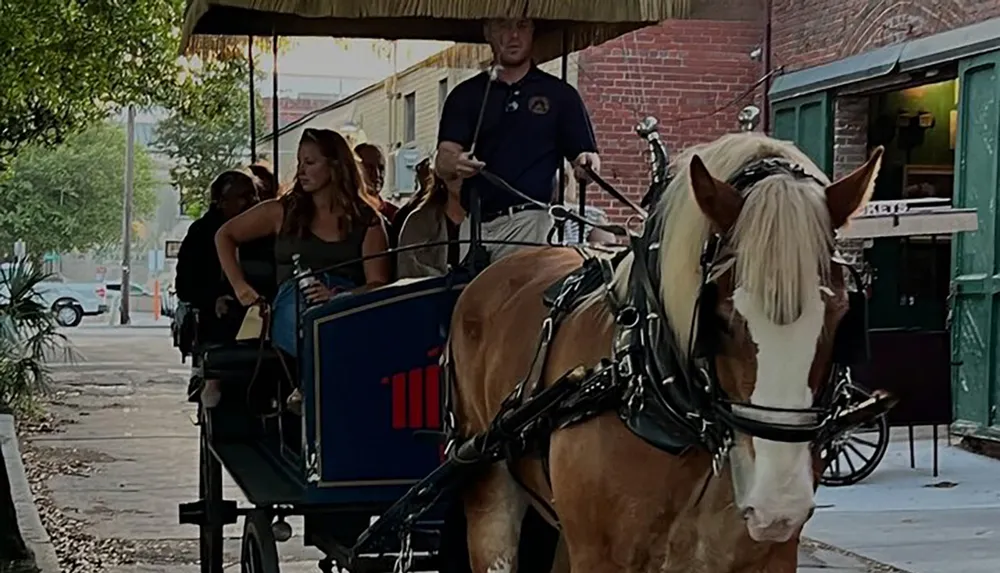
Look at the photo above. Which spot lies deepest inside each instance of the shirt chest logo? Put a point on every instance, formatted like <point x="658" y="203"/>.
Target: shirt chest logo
<point x="539" y="105"/>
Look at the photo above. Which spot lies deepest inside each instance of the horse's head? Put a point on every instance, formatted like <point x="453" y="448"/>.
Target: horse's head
<point x="769" y="308"/>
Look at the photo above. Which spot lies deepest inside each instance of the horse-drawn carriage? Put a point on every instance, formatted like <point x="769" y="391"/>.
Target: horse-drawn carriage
<point x="381" y="444"/>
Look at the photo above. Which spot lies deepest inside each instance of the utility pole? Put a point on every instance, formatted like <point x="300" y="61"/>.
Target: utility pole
<point x="126" y="285"/>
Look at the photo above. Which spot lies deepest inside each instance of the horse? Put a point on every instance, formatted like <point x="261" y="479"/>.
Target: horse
<point x="767" y="315"/>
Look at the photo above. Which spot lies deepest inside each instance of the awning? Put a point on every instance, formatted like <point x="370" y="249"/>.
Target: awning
<point x="584" y="22"/>
<point x="868" y="65"/>
<point x="905" y="57"/>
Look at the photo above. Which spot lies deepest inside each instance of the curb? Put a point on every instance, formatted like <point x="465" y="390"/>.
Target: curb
<point x="34" y="533"/>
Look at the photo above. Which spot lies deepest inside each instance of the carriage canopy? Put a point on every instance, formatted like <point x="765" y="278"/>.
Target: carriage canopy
<point x="580" y="23"/>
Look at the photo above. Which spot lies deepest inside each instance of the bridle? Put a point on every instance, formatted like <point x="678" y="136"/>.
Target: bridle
<point x="686" y="382"/>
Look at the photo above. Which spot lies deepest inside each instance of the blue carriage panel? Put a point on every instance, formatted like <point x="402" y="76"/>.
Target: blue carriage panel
<point x="372" y="385"/>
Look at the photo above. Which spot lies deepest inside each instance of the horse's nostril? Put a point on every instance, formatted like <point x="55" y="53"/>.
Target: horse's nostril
<point x="747" y="512"/>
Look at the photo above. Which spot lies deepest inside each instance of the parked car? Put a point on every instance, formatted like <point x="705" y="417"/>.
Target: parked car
<point x="69" y="301"/>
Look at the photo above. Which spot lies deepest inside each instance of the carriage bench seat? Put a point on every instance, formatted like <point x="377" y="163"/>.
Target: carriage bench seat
<point x="239" y="361"/>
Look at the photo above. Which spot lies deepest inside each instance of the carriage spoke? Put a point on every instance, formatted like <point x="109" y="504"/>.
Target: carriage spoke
<point x="871" y="445"/>
<point x="856" y="451"/>
<point x="847" y="458"/>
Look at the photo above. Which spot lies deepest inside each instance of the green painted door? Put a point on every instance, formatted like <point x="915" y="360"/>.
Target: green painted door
<point x="976" y="284"/>
<point x="808" y="121"/>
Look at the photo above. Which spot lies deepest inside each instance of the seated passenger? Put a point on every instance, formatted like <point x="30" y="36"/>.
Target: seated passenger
<point x="268" y="188"/>
<point x="423" y="181"/>
<point x="200" y="284"/>
<point x="437" y="219"/>
<point x="328" y="219"/>
<point x="373" y="162"/>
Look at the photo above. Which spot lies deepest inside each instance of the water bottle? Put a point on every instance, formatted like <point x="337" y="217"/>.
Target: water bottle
<point x="303" y="274"/>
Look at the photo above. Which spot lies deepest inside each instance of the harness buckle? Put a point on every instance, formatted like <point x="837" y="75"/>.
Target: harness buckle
<point x="719" y="456"/>
<point x="625" y="367"/>
<point x="547" y="325"/>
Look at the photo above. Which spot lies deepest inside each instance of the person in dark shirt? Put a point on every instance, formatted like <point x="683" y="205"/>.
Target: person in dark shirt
<point x="532" y="122"/>
<point x="200" y="283"/>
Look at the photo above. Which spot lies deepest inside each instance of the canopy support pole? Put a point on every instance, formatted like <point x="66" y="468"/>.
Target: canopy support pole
<point x="253" y="103"/>
<point x="274" y="103"/>
<point x="564" y="69"/>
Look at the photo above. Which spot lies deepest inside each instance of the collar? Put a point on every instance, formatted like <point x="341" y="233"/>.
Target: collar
<point x="534" y="73"/>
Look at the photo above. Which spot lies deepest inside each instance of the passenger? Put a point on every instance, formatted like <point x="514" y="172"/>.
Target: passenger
<point x="423" y="182"/>
<point x="200" y="283"/>
<point x="268" y="188"/>
<point x="374" y="163"/>
<point x="438" y="218"/>
<point x="329" y="219"/>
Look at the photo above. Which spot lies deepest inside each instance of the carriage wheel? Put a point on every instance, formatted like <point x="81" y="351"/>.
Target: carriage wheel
<point x="210" y="492"/>
<point x="259" y="553"/>
<point x="854" y="455"/>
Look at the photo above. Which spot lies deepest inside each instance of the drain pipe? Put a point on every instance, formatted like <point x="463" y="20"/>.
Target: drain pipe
<point x="766" y="57"/>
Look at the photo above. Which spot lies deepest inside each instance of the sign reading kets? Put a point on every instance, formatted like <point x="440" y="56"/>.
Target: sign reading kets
<point x="885" y="208"/>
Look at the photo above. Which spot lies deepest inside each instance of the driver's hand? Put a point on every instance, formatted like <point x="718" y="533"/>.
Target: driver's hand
<point x="466" y="166"/>
<point x="586" y="159"/>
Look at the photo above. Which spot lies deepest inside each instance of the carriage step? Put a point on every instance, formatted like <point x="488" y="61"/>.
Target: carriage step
<point x="195" y="512"/>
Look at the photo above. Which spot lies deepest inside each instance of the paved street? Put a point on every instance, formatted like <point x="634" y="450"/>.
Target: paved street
<point x="128" y="449"/>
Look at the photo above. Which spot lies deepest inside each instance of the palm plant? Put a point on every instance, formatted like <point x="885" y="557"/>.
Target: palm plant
<point x="28" y="336"/>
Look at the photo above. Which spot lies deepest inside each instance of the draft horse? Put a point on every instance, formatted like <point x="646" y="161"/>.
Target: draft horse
<point x="718" y="330"/>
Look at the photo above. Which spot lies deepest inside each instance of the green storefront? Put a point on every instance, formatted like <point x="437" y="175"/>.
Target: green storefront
<point x="934" y="103"/>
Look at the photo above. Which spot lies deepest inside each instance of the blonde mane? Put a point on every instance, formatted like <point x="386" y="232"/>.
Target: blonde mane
<point x="782" y="236"/>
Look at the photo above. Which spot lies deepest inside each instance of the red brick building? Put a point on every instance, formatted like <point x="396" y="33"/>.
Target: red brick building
<point x="848" y="28"/>
<point x="920" y="78"/>
<point x="683" y="72"/>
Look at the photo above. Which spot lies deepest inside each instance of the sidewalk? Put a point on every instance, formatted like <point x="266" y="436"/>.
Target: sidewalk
<point x="909" y="519"/>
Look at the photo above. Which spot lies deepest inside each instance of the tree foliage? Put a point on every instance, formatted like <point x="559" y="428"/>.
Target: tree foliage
<point x="68" y="63"/>
<point x="69" y="197"/>
<point x="208" y="130"/>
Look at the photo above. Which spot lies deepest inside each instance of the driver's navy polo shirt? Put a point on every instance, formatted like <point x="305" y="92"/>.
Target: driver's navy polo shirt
<point x="528" y="128"/>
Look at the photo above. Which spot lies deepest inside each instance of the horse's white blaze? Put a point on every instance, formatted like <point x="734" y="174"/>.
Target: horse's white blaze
<point x="780" y="487"/>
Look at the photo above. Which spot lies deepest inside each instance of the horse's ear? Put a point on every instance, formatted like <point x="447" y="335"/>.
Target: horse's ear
<point x="718" y="200"/>
<point x="849" y="194"/>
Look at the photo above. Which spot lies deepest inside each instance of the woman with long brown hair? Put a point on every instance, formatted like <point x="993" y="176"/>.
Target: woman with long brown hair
<point x="326" y="220"/>
<point x="438" y="218"/>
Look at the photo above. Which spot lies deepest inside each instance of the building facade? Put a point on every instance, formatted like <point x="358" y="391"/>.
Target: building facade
<point x="922" y="80"/>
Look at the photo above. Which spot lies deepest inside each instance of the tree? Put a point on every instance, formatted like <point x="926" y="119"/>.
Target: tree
<point x="69" y="197"/>
<point x="67" y="64"/>
<point x="208" y="130"/>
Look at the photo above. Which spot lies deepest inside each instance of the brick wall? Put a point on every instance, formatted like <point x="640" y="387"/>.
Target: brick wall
<point x="802" y="38"/>
<point x="681" y="72"/>
<point x="850" y="134"/>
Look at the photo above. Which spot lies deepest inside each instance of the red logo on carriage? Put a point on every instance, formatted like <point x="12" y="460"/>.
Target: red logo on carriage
<point x="416" y="396"/>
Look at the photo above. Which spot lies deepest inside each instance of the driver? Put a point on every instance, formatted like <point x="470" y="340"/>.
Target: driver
<point x="532" y="122"/>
